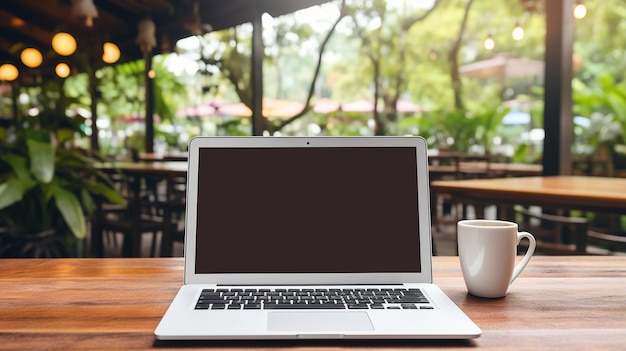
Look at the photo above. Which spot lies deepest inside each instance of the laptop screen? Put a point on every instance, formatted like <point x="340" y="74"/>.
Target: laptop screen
<point x="307" y="210"/>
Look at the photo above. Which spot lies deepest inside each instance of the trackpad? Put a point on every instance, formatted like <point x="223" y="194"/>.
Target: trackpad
<point x="319" y="321"/>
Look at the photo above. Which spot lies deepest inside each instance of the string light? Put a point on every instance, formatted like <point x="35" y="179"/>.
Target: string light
<point x="489" y="42"/>
<point x="518" y="32"/>
<point x="62" y="70"/>
<point x="110" y="52"/>
<point x="580" y="11"/>
<point x="8" y="72"/>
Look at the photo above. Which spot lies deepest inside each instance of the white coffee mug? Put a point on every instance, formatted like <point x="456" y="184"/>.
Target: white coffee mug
<point x="488" y="251"/>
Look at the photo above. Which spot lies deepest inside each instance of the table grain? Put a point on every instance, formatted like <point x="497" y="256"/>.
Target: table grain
<point x="557" y="303"/>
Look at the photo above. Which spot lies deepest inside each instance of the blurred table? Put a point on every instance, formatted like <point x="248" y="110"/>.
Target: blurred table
<point x="599" y="194"/>
<point x="515" y="169"/>
<point x="139" y="173"/>
<point x="166" y="157"/>
<point x="602" y="194"/>
<point x="557" y="303"/>
<point x="494" y="169"/>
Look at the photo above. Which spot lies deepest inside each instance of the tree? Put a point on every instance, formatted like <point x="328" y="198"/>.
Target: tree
<point x="453" y="60"/>
<point x="383" y="33"/>
<point x="233" y="59"/>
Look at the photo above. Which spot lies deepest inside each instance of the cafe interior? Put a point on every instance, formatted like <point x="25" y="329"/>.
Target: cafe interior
<point x="133" y="204"/>
<point x="99" y="98"/>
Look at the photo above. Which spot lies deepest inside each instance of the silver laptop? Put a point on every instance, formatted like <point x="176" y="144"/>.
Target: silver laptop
<point x="309" y="237"/>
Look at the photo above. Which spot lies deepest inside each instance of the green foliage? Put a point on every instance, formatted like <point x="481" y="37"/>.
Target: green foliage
<point x="489" y="119"/>
<point x="457" y="130"/>
<point x="599" y="49"/>
<point x="605" y="105"/>
<point x="45" y="185"/>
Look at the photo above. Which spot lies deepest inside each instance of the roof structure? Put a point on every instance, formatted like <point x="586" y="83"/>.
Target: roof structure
<point x="32" y="23"/>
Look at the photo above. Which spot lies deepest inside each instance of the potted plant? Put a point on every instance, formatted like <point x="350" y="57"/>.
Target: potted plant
<point x="47" y="191"/>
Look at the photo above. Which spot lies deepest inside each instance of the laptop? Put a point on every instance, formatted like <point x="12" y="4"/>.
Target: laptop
<point x="309" y="238"/>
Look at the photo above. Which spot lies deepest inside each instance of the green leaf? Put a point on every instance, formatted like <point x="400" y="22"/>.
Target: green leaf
<point x="109" y="193"/>
<point x="72" y="212"/>
<point x="14" y="189"/>
<point x="41" y="160"/>
<point x="10" y="193"/>
<point x="18" y="163"/>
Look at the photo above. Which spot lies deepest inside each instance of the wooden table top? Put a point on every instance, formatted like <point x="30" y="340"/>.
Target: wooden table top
<point x="175" y="168"/>
<point x="168" y="156"/>
<point x="597" y="193"/>
<point x="557" y="303"/>
<point x="500" y="169"/>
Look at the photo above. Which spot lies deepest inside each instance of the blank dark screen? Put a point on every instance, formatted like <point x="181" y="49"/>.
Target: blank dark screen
<point x="307" y="210"/>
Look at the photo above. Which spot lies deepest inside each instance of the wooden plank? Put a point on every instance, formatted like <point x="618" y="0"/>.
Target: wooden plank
<point x="572" y="303"/>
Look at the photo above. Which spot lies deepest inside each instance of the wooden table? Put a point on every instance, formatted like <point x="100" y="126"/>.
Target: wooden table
<point x="166" y="157"/>
<point x="557" y="303"/>
<point x="139" y="172"/>
<point x="515" y="169"/>
<point x="601" y="194"/>
<point x="495" y="169"/>
<point x="163" y="168"/>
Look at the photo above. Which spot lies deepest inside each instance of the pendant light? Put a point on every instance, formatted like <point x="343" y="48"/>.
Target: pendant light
<point x="31" y="57"/>
<point x="63" y="44"/>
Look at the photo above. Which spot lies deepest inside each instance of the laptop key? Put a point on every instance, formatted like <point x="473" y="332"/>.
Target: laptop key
<point x="359" y="306"/>
<point x="211" y="301"/>
<point x="411" y="299"/>
<point x="330" y="306"/>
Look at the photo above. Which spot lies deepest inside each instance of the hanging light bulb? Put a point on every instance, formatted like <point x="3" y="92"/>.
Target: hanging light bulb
<point x="110" y="52"/>
<point x="518" y="32"/>
<point x="146" y="35"/>
<point x="8" y="72"/>
<point x="84" y="10"/>
<point x="31" y="57"/>
<point x="63" y="44"/>
<point x="580" y="10"/>
<point x="62" y="70"/>
<point x="489" y="42"/>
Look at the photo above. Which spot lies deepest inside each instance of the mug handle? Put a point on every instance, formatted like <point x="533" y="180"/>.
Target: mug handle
<point x="531" y="250"/>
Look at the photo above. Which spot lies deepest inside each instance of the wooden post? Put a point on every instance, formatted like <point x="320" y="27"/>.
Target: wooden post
<point x="558" y="115"/>
<point x="149" y="83"/>
<point x="93" y="93"/>
<point x="259" y="124"/>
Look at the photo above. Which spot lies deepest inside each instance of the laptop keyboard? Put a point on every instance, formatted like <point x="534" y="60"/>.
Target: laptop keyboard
<point x="290" y="299"/>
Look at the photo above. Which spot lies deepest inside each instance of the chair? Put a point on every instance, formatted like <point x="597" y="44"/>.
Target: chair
<point x="442" y="167"/>
<point x="113" y="222"/>
<point x="455" y="166"/>
<point x="599" y="166"/>
<point x="563" y="234"/>
<point x="169" y="204"/>
<point x="132" y="221"/>
<point x="473" y="167"/>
